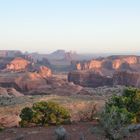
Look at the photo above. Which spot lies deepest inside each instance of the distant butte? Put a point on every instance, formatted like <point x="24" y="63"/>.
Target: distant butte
<point x="113" y="70"/>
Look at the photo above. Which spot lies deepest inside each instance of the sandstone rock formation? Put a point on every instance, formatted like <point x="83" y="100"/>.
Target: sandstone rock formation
<point x="17" y="64"/>
<point x="25" y="81"/>
<point x="93" y="64"/>
<point x="113" y="70"/>
<point x="89" y="79"/>
<point x="127" y="78"/>
<point x="110" y="63"/>
<point x="44" y="71"/>
<point x="92" y="79"/>
<point x="130" y="60"/>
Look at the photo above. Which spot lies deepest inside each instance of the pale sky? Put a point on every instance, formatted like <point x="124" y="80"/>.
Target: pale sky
<point x="85" y="26"/>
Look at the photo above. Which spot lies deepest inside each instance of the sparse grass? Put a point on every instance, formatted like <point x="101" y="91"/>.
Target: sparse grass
<point x="74" y="104"/>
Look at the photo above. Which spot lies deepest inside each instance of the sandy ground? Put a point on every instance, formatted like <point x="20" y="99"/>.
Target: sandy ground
<point x="42" y="133"/>
<point x="47" y="133"/>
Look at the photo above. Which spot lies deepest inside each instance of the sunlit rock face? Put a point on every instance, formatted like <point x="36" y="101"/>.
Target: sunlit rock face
<point x="17" y="64"/>
<point x="44" y="71"/>
<point x="24" y="75"/>
<point x="128" y="60"/>
<point x="93" y="64"/>
<point x="123" y="70"/>
<point x="112" y="62"/>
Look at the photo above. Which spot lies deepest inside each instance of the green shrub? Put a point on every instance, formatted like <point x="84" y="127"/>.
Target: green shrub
<point x="26" y="114"/>
<point x="114" y="121"/>
<point x="119" y="112"/>
<point x="24" y="123"/>
<point x="44" y="113"/>
<point x="133" y="100"/>
<point x="130" y="100"/>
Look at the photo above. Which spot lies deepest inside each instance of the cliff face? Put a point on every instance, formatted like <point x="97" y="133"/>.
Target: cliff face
<point x="93" y="64"/>
<point x="127" y="78"/>
<point x="89" y="79"/>
<point x="92" y="79"/>
<point x="113" y="70"/>
<point x="127" y="60"/>
<point x="114" y="63"/>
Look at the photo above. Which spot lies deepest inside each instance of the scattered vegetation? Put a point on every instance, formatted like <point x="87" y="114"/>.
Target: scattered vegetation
<point x="88" y="114"/>
<point x="44" y="113"/>
<point x="130" y="100"/>
<point x="119" y="113"/>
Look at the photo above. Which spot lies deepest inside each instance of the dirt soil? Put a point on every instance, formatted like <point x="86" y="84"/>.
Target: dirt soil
<point x="47" y="133"/>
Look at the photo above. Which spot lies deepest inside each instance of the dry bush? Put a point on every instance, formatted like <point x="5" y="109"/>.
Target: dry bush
<point x="88" y="113"/>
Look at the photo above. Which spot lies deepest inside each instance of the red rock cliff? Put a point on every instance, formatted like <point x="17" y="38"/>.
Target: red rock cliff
<point x="114" y="63"/>
<point x="17" y="64"/>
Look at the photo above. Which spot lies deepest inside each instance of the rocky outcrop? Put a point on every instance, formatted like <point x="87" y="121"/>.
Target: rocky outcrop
<point x="127" y="78"/>
<point x="93" y="79"/>
<point x="44" y="72"/>
<point x="130" y="60"/>
<point x="93" y="64"/>
<point x="25" y="81"/>
<point x="102" y="68"/>
<point x="17" y="64"/>
<point x="113" y="70"/>
<point x="110" y="63"/>
<point x="89" y="79"/>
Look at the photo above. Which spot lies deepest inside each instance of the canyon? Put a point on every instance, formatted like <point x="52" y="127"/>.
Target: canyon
<point x="27" y="78"/>
<point x="109" y="71"/>
<point x="30" y="77"/>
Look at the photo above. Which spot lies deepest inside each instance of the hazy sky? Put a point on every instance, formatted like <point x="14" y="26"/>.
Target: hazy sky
<point x="91" y="26"/>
